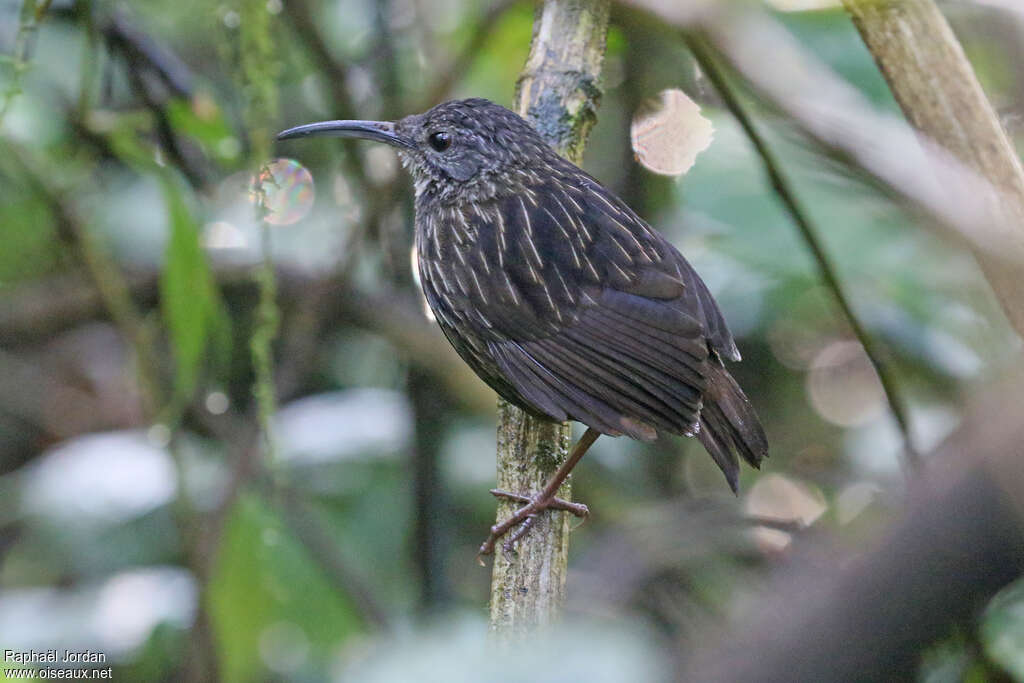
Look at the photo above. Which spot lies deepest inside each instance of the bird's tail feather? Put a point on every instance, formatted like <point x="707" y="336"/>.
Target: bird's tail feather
<point x="729" y="427"/>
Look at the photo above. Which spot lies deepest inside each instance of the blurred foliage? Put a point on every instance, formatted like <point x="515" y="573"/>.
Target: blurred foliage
<point x="191" y="303"/>
<point x="163" y="539"/>
<point x="266" y="581"/>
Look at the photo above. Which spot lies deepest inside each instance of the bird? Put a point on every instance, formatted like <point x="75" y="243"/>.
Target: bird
<point x="559" y="296"/>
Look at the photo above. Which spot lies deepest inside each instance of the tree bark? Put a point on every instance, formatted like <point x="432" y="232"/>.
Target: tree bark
<point x="940" y="95"/>
<point x="557" y="93"/>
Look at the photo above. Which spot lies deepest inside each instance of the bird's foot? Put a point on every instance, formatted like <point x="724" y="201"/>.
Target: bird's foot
<point x="525" y="517"/>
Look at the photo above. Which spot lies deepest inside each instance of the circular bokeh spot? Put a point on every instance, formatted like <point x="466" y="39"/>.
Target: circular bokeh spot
<point x="843" y="385"/>
<point x="667" y="134"/>
<point x="284" y="187"/>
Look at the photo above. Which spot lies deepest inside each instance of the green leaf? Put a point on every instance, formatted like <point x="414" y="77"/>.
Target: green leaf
<point x="1002" y="629"/>
<point x="203" y="120"/>
<point x="271" y="606"/>
<point x="127" y="144"/>
<point x="190" y="302"/>
<point x="31" y="247"/>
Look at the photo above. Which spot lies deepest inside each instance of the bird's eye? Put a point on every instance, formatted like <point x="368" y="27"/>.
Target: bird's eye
<point x="440" y="141"/>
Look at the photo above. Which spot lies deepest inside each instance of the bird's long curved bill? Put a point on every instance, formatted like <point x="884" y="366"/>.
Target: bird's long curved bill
<point x="380" y="131"/>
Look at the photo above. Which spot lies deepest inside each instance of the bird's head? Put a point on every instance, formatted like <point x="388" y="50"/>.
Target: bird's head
<point x="459" y="149"/>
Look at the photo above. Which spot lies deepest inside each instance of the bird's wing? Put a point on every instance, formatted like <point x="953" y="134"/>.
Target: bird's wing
<point x="587" y="312"/>
<point x="697" y="300"/>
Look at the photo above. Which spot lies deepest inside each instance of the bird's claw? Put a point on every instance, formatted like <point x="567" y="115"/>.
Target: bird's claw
<point x="524" y="518"/>
<point x="554" y="503"/>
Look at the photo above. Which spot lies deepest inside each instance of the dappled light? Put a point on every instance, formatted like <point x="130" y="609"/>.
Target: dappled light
<point x="667" y="134"/>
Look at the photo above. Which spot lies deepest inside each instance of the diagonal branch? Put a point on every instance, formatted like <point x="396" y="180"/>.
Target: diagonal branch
<point x="703" y="53"/>
<point x="304" y="24"/>
<point x="959" y="198"/>
<point x="939" y="93"/>
<point x="867" y="616"/>
<point x="114" y="290"/>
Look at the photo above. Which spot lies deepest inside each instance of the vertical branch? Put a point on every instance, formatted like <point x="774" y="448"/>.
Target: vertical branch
<point x="933" y="81"/>
<point x="259" y="73"/>
<point x="430" y="499"/>
<point x="90" y="62"/>
<point x="32" y="14"/>
<point x="261" y="344"/>
<point x="558" y="89"/>
<point x="558" y="94"/>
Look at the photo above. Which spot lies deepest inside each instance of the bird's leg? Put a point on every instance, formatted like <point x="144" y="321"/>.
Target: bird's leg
<point x="544" y="500"/>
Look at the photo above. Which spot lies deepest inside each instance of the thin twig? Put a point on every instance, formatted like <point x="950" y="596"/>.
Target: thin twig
<point x="90" y="62"/>
<point x="142" y="51"/>
<point x="305" y="26"/>
<point x="336" y="75"/>
<point x="386" y="58"/>
<point x="309" y="530"/>
<point x="168" y="139"/>
<point x="430" y="499"/>
<point x="702" y="52"/>
<point x="257" y="72"/>
<point x="261" y="343"/>
<point x="106" y="276"/>
<point x="458" y="67"/>
<point x="32" y="15"/>
<point x="242" y="435"/>
<point x="960" y="202"/>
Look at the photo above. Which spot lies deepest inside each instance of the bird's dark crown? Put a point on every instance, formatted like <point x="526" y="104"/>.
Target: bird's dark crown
<point x="469" y="149"/>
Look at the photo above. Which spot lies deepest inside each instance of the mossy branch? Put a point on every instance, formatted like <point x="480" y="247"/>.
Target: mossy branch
<point x="558" y="93"/>
<point x="258" y="70"/>
<point x="32" y="14"/>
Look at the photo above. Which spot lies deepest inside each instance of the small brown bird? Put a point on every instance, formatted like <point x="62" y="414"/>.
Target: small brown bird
<point x="558" y="295"/>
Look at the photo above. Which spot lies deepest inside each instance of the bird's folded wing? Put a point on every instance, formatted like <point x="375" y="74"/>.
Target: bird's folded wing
<point x="612" y="369"/>
<point x="613" y="336"/>
<point x="612" y="214"/>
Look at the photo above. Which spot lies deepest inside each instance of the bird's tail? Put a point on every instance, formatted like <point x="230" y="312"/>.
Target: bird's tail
<point x="729" y="426"/>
